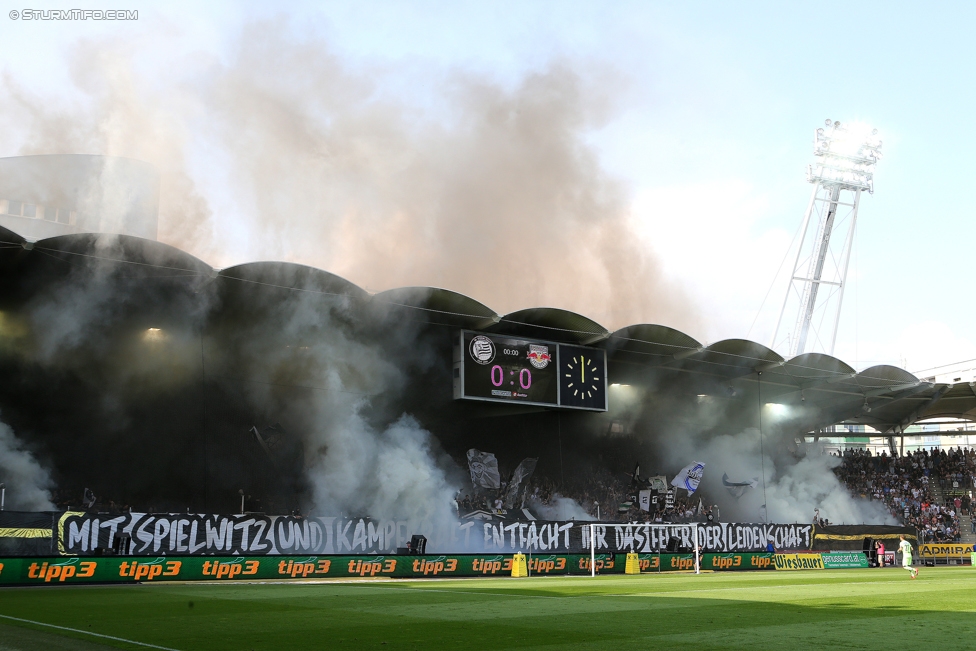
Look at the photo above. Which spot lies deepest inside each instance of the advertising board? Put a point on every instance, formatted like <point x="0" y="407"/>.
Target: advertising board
<point x="130" y="569"/>
<point x="798" y="561"/>
<point x="844" y="560"/>
<point x="945" y="549"/>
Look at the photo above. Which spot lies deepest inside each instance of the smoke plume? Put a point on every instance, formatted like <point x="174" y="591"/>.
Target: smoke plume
<point x="28" y="483"/>
<point x="794" y="479"/>
<point x="285" y="150"/>
<point x="387" y="175"/>
<point x="795" y="483"/>
<point x="479" y="186"/>
<point x="559" y="508"/>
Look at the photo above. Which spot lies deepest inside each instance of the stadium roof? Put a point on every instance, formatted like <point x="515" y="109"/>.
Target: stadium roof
<point x="440" y="306"/>
<point x="885" y="397"/>
<point x="289" y="276"/>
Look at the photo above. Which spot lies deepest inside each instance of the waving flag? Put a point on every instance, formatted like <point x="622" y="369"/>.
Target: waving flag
<point x="689" y="477"/>
<point x="737" y="488"/>
<point x="658" y="483"/>
<point x="644" y="500"/>
<point x="484" y="469"/>
<point x="515" y="493"/>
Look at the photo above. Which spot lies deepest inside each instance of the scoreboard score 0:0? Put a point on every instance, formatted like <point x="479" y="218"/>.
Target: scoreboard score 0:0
<point x="499" y="368"/>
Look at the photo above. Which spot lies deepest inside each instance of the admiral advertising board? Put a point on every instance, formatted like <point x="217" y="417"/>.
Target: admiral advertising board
<point x="498" y="368"/>
<point x="945" y="549"/>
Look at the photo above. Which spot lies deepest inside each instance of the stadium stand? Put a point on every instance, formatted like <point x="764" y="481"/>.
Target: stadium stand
<point x="926" y="489"/>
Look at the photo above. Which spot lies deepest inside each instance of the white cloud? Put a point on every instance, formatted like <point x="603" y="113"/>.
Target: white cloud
<point x="708" y="238"/>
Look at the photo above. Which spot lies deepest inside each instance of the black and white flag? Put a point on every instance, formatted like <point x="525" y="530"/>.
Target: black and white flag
<point x="644" y="500"/>
<point x="484" y="469"/>
<point x="658" y="483"/>
<point x="738" y="488"/>
<point x="514" y="495"/>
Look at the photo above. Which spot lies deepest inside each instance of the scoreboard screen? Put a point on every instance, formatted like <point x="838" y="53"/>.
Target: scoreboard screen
<point x="500" y="368"/>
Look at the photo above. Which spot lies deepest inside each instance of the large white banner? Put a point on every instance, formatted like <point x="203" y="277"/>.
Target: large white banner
<point x="257" y="535"/>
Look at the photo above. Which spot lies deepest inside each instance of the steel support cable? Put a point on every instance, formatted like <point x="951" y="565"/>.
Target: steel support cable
<point x="762" y="452"/>
<point x="773" y="284"/>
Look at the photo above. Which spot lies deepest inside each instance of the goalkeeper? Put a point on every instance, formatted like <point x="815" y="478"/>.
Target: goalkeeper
<point x="906" y="556"/>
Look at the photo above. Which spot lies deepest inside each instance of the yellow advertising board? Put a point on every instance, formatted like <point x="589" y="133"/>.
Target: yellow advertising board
<point x="798" y="562"/>
<point x="945" y="549"/>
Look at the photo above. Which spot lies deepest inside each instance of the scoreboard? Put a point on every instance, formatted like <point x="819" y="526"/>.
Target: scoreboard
<point x="498" y="368"/>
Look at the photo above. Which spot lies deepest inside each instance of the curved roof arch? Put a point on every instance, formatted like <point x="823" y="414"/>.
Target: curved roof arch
<point x="958" y="401"/>
<point x="651" y="339"/>
<point x="554" y="324"/>
<point x="150" y="257"/>
<point x="441" y="306"/>
<point x="809" y="370"/>
<point x="750" y="352"/>
<point x="884" y="376"/>
<point x="731" y="358"/>
<point x="293" y="276"/>
<point x="8" y="237"/>
<point x="13" y="247"/>
<point x="814" y="365"/>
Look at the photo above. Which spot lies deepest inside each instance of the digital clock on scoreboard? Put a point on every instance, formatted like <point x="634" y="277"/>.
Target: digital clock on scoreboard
<point x="499" y="368"/>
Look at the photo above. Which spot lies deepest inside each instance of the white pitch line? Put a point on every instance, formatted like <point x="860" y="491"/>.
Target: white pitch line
<point x="78" y="630"/>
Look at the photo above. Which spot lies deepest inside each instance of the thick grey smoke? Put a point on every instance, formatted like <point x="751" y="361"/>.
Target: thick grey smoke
<point x="389" y="176"/>
<point x="483" y="187"/>
<point x="385" y="174"/>
<point x="362" y="456"/>
<point x="795" y="484"/>
<point x="387" y="474"/>
<point x="559" y="508"/>
<point x="28" y="483"/>
<point x="793" y="480"/>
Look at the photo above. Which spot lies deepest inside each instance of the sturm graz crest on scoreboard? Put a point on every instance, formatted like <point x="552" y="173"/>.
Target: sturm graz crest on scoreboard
<point x="482" y="350"/>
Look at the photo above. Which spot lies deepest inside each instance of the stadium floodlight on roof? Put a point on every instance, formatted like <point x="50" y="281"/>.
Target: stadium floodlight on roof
<point x="845" y="156"/>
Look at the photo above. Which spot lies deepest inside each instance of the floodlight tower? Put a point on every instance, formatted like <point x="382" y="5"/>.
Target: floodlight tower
<point x="844" y="160"/>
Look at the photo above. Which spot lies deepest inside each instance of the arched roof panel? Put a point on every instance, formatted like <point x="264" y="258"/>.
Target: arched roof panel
<point x="8" y="237"/>
<point x="439" y="306"/>
<point x="884" y="377"/>
<point x="808" y="370"/>
<point x="12" y="247"/>
<point x="959" y="401"/>
<point x="140" y="255"/>
<point x="553" y="324"/>
<point x="731" y="358"/>
<point x="292" y="276"/>
<point x="651" y="339"/>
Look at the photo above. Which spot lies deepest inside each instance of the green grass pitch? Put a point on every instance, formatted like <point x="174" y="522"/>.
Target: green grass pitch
<point x="838" y="609"/>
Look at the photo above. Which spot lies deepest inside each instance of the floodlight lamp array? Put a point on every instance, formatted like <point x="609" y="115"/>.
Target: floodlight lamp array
<point x="845" y="156"/>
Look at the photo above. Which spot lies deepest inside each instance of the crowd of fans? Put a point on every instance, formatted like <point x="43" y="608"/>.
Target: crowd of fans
<point x="905" y="485"/>
<point x="601" y="494"/>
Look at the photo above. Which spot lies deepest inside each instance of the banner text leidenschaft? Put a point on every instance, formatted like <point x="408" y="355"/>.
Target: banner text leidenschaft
<point x="186" y="534"/>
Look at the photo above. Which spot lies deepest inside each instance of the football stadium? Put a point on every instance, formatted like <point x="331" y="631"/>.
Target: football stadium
<point x="300" y="451"/>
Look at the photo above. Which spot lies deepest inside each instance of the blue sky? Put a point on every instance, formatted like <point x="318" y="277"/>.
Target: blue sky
<point x="712" y="109"/>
